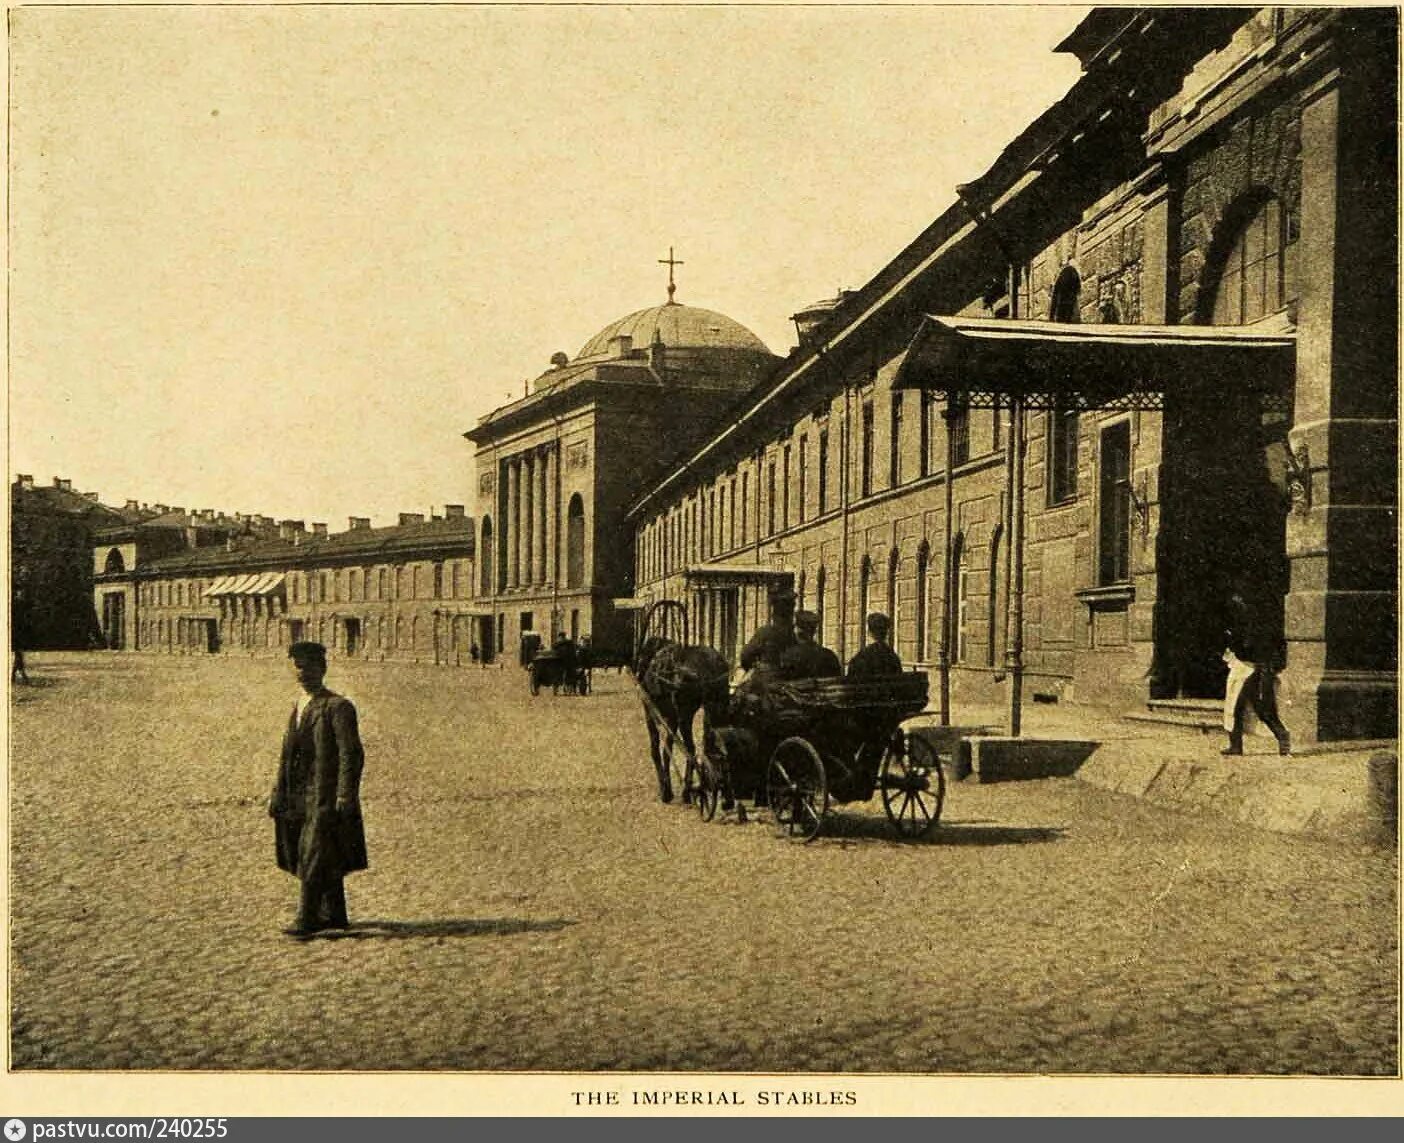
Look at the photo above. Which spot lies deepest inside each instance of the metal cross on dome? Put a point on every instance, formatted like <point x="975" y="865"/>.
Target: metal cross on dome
<point x="670" y="262"/>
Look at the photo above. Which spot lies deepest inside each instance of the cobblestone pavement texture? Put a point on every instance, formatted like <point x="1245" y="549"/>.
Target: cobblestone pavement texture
<point x="531" y="905"/>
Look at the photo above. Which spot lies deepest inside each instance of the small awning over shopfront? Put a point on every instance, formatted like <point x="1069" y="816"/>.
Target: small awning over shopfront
<point x="265" y="583"/>
<point x="1050" y="364"/>
<point x="735" y="574"/>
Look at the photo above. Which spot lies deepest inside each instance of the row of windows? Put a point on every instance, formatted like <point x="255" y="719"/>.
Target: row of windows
<point x="440" y="580"/>
<point x="412" y="633"/>
<point x="1252" y="272"/>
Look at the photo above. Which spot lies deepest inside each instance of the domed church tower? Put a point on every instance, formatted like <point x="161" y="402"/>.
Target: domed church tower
<point x="557" y="469"/>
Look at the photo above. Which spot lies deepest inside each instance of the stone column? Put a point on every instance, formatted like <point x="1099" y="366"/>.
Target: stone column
<point x="512" y="525"/>
<point x="551" y="468"/>
<point x="1341" y="609"/>
<point x="528" y="518"/>
<point x="543" y="521"/>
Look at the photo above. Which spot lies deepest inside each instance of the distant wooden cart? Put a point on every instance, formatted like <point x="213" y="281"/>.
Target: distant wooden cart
<point x="562" y="673"/>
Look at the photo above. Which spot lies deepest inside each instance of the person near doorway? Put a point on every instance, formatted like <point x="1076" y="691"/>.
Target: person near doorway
<point x="19" y="635"/>
<point x="316" y="803"/>
<point x="877" y="660"/>
<point x="1252" y="685"/>
<point x="475" y="653"/>
<point x="807" y="659"/>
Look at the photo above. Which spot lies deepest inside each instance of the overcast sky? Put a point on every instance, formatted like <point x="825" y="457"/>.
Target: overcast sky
<point x="278" y="260"/>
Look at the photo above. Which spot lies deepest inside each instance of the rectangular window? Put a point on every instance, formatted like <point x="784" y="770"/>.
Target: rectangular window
<point x="785" y="489"/>
<point x="1114" y="525"/>
<point x="960" y="434"/>
<point x="928" y="417"/>
<point x="996" y="425"/>
<point x="1062" y="454"/>
<point x="731" y="516"/>
<point x="770" y="503"/>
<point x="745" y="505"/>
<point x="803" y="477"/>
<point x="865" y="476"/>
<point x="894" y="460"/>
<point x="823" y="471"/>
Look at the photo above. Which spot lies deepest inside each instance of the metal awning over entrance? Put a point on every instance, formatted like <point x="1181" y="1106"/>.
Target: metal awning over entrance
<point x="985" y="361"/>
<point x="734" y="575"/>
<point x="259" y="584"/>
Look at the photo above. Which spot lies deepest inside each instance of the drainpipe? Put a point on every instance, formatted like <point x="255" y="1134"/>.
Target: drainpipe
<point x="844" y="476"/>
<point x="1014" y="647"/>
<point x="1014" y="485"/>
<point x="943" y="656"/>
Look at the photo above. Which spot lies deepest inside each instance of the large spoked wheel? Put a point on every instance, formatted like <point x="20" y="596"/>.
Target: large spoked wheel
<point x="797" y="789"/>
<point x="913" y="785"/>
<point x="534" y="681"/>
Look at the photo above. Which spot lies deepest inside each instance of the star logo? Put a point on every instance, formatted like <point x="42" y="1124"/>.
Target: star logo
<point x="14" y="1130"/>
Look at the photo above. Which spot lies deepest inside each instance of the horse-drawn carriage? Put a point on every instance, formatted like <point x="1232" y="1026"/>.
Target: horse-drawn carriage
<point x="797" y="747"/>
<point x="566" y="671"/>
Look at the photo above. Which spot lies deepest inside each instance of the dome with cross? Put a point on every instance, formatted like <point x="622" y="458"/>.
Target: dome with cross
<point x="677" y="327"/>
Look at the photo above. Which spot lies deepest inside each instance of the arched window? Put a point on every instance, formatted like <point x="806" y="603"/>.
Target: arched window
<point x="819" y="603"/>
<point x="114" y="563"/>
<point x="865" y="583"/>
<point x="575" y="542"/>
<point x="959" y="636"/>
<point x="992" y="649"/>
<point x="414" y="633"/>
<point x="1066" y="302"/>
<point x="1251" y="268"/>
<point x="923" y="640"/>
<point x="893" y="605"/>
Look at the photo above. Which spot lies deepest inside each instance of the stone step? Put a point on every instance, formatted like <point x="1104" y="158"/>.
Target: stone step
<point x="1203" y="721"/>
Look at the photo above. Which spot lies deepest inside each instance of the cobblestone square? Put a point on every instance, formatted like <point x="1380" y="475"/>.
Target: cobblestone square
<point x="531" y="905"/>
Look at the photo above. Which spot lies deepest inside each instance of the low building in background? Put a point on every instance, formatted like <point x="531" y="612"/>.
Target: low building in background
<point x="401" y="592"/>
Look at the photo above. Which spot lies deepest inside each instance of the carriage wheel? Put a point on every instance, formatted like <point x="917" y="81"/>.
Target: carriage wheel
<point x="708" y="792"/>
<point x="797" y="789"/>
<point x="913" y="785"/>
<point x="533" y="681"/>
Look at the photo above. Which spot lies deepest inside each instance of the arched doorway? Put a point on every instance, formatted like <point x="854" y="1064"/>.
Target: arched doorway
<point x="1224" y="497"/>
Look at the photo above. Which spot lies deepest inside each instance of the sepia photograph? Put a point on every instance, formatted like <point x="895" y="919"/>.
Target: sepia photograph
<point x="710" y="555"/>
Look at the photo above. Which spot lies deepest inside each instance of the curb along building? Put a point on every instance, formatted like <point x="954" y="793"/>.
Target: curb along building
<point x="1146" y="360"/>
<point x="401" y="592"/>
<point x="558" y="469"/>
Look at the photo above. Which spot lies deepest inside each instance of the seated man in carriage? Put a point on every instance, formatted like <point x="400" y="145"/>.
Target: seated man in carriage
<point x="807" y="659"/>
<point x="877" y="660"/>
<point x="762" y="655"/>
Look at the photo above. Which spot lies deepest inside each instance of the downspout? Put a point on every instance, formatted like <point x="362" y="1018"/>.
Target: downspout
<point x="1014" y="487"/>
<point x="1014" y="654"/>
<point x="943" y="658"/>
<point x="844" y="476"/>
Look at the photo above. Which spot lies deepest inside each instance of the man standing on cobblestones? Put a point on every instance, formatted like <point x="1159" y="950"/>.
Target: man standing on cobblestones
<point x="316" y="805"/>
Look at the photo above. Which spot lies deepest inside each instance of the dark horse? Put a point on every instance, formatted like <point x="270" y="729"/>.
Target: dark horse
<point x="677" y="682"/>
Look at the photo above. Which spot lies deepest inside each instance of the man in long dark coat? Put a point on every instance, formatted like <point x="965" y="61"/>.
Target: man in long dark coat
<point x="316" y="805"/>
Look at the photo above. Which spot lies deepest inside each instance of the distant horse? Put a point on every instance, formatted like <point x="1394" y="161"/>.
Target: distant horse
<point x="677" y="682"/>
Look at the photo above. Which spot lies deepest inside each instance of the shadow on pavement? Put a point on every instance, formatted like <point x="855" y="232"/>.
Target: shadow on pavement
<point x="852" y="827"/>
<point x="398" y="930"/>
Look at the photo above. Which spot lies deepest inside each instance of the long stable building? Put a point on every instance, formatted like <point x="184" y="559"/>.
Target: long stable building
<point x="191" y="586"/>
<point x="1147" y="359"/>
